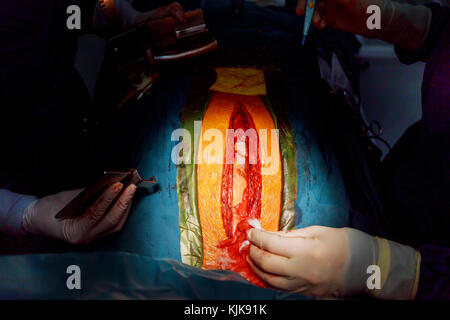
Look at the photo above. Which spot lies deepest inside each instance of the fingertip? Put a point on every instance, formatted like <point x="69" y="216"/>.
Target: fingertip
<point x="116" y="187"/>
<point x="254" y="251"/>
<point x="128" y="195"/>
<point x="300" y="9"/>
<point x="130" y="191"/>
<point x="316" y="20"/>
<point x="249" y="235"/>
<point x="132" y="187"/>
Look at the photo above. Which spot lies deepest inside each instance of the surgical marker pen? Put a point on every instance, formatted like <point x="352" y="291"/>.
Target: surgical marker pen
<point x="309" y="12"/>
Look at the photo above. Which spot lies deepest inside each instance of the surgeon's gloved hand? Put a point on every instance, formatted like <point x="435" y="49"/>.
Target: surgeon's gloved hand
<point x="402" y="24"/>
<point x="174" y="10"/>
<point x="107" y="215"/>
<point x="329" y="262"/>
<point x="346" y="15"/>
<point x="120" y="13"/>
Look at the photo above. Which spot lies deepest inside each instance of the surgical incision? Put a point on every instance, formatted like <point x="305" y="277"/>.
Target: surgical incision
<point x="240" y="193"/>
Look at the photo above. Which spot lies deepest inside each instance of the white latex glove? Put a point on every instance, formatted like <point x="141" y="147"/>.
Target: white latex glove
<point x="329" y="262"/>
<point x="97" y="221"/>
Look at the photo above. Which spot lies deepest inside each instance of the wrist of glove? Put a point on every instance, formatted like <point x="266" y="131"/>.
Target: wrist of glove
<point x="38" y="217"/>
<point x="329" y="262"/>
<point x="403" y="24"/>
<point x="107" y="215"/>
<point x="12" y="206"/>
<point x="395" y="268"/>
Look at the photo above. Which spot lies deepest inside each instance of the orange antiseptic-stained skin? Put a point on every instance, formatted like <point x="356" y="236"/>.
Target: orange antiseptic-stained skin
<point x="209" y="176"/>
<point x="209" y="179"/>
<point x="271" y="183"/>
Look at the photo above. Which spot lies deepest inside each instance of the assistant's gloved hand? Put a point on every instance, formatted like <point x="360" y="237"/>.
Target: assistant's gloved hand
<point x="402" y="24"/>
<point x="174" y="10"/>
<point x="329" y="262"/>
<point x="120" y="12"/>
<point x="107" y="215"/>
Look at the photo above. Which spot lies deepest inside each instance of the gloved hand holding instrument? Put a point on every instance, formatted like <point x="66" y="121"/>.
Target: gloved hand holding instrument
<point x="80" y="216"/>
<point x="107" y="215"/>
<point x="100" y="209"/>
<point x="329" y="262"/>
<point x="402" y="24"/>
<point x="139" y="42"/>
